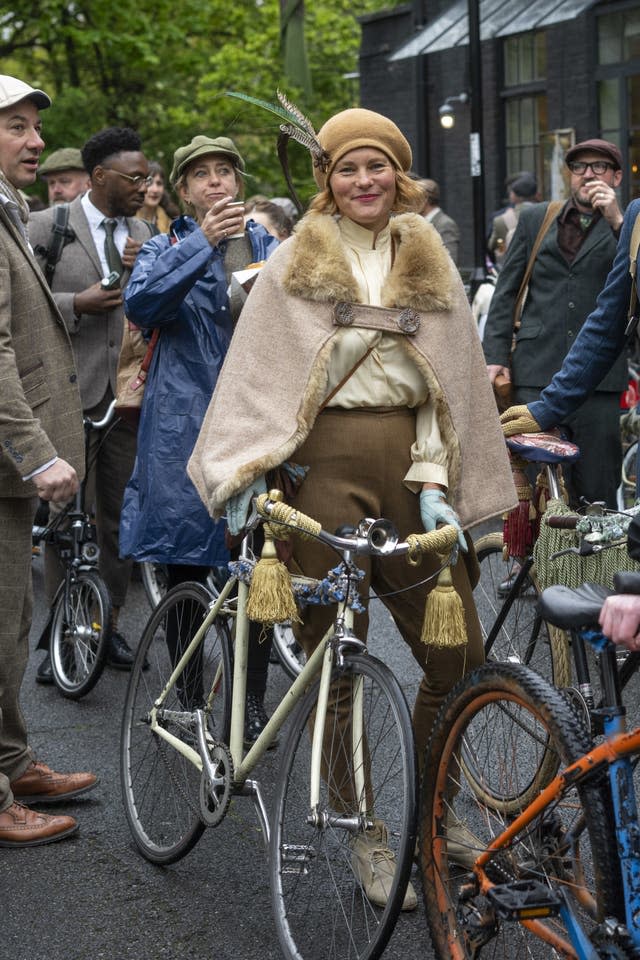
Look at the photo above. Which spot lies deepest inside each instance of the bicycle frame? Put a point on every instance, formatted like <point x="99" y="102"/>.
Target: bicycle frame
<point x="615" y="753"/>
<point x="321" y="662"/>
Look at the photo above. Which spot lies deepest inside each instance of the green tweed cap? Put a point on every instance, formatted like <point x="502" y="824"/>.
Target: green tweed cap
<point x="67" y="158"/>
<point x="199" y="147"/>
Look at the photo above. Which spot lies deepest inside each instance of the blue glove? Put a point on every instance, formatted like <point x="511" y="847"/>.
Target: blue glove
<point x="434" y="509"/>
<point x="238" y="506"/>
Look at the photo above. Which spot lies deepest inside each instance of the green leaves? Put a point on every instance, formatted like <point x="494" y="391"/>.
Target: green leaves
<point x="164" y="68"/>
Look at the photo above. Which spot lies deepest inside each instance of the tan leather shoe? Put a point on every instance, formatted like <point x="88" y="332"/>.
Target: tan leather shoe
<point x="39" y="783"/>
<point x="22" y="827"/>
<point x="374" y="864"/>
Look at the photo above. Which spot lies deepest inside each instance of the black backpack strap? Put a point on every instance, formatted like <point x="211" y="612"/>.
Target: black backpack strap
<point x="61" y="235"/>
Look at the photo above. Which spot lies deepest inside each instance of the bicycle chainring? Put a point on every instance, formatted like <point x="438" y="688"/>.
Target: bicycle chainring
<point x="215" y="793"/>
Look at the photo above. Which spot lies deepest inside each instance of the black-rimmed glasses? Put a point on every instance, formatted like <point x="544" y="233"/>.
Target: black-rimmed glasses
<point x="138" y="181"/>
<point x="597" y="166"/>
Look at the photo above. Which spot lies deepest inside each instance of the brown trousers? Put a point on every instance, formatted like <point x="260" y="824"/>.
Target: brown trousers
<point x="358" y="459"/>
<point x="16" y="602"/>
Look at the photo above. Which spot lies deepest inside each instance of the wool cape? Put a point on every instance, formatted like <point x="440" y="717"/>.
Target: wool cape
<point x="274" y="378"/>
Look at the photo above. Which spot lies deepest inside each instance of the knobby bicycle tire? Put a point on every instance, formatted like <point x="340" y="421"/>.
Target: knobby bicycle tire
<point x="502" y="713"/>
<point x="319" y="905"/>
<point x="80" y="632"/>
<point x="160" y="787"/>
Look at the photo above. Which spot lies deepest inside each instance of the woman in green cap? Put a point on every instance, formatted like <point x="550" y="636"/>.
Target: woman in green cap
<point x="179" y="286"/>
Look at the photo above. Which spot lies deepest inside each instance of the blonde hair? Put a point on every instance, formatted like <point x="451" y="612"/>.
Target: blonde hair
<point x="181" y="183"/>
<point x="409" y="197"/>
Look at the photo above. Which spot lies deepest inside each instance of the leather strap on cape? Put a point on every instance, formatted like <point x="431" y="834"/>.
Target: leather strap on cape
<point x="351" y="372"/>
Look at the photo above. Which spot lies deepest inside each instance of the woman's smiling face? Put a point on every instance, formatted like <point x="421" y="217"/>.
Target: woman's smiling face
<point x="363" y="185"/>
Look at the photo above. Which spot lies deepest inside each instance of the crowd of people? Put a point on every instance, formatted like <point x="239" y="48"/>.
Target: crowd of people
<point x="356" y="386"/>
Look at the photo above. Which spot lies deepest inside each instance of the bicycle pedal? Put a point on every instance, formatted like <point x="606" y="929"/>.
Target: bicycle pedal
<point x="524" y="900"/>
<point x="297" y="858"/>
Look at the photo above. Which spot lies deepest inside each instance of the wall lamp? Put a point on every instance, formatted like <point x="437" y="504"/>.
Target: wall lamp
<point x="447" y="111"/>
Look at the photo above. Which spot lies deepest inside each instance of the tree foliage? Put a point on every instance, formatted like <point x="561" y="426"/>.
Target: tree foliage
<point x="163" y="68"/>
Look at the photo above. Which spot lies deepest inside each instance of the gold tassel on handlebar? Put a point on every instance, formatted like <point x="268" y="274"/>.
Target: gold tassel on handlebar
<point x="444" y="623"/>
<point x="271" y="598"/>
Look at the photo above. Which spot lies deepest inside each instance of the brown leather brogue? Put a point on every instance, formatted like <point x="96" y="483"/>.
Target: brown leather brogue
<point x="22" y="827"/>
<point x="40" y="784"/>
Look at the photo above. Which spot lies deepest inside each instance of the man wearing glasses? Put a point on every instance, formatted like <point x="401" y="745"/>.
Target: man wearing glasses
<point x="570" y="270"/>
<point x="107" y="238"/>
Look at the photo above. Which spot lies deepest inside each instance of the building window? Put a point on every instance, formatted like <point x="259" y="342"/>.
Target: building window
<point x="525" y="59"/>
<point x="525" y="120"/>
<point x="619" y="36"/>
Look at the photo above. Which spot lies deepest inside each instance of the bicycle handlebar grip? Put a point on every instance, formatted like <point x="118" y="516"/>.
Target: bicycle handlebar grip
<point x="292" y="520"/>
<point x="563" y="521"/>
<point x="441" y="540"/>
<point x="626" y="581"/>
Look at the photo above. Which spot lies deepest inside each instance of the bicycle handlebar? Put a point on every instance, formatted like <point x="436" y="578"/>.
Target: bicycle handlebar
<point x="371" y="538"/>
<point x="106" y="420"/>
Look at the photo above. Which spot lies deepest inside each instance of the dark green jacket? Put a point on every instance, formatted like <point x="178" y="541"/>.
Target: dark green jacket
<point x="560" y="298"/>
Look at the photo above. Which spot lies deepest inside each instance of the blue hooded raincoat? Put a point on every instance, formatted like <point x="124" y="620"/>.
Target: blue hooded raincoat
<point x="181" y="288"/>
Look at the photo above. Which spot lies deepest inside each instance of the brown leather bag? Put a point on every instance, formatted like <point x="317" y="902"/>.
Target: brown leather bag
<point x="503" y="388"/>
<point x="133" y="365"/>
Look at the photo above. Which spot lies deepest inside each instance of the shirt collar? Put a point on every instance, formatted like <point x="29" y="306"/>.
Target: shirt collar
<point x="362" y="239"/>
<point x="95" y="216"/>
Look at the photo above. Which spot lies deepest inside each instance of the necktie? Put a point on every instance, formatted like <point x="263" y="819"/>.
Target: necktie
<point x="110" y="249"/>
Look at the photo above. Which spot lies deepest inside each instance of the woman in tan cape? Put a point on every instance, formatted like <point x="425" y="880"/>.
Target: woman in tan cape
<point x="356" y="354"/>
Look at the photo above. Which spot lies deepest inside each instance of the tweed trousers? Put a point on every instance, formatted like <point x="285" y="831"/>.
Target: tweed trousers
<point x="16" y="603"/>
<point x="358" y="459"/>
<point x="112" y="453"/>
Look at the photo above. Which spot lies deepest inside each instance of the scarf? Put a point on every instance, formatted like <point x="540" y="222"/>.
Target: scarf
<point x="17" y="206"/>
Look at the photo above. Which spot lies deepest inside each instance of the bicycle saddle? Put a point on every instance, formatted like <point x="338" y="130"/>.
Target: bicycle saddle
<point x="543" y="448"/>
<point x="568" y="608"/>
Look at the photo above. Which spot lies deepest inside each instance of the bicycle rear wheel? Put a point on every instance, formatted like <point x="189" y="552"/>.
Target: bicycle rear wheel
<point x="80" y="632"/>
<point x="523" y="636"/>
<point x="503" y="716"/>
<point x="161" y="787"/>
<point x="320" y="907"/>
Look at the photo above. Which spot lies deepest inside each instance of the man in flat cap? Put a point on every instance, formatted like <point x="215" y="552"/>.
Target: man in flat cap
<point x="65" y="175"/>
<point x="570" y="270"/>
<point x="41" y="453"/>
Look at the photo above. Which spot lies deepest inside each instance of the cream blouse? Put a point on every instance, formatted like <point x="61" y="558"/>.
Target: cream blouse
<point x="385" y="378"/>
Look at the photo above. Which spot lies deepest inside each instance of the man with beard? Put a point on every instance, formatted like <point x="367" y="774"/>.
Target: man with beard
<point x="107" y="238"/>
<point x="570" y="270"/>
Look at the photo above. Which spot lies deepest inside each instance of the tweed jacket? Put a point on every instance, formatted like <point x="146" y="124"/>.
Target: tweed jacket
<point x="449" y="232"/>
<point x="561" y="296"/>
<point x="96" y="338"/>
<point x="600" y="343"/>
<point x="40" y="413"/>
<point x="267" y="398"/>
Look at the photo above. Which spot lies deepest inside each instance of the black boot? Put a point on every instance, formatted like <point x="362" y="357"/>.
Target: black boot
<point x="44" y="673"/>
<point x="255" y="719"/>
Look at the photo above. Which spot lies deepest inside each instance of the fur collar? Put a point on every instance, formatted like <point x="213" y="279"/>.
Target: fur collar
<point x="420" y="276"/>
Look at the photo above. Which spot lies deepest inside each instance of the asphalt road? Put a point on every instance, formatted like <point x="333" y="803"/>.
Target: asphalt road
<point x="93" y="897"/>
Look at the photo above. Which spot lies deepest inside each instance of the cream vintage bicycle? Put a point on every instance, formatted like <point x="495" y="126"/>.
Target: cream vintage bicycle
<point x="348" y="762"/>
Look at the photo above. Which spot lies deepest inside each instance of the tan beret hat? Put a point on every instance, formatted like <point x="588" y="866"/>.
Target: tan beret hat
<point x="355" y="128"/>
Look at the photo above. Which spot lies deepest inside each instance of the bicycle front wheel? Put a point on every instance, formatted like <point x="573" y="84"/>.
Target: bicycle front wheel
<point x="368" y="775"/>
<point x="523" y="637"/>
<point x="80" y="631"/>
<point x="289" y="652"/>
<point x="160" y="786"/>
<point x="626" y="492"/>
<point x="503" y="716"/>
